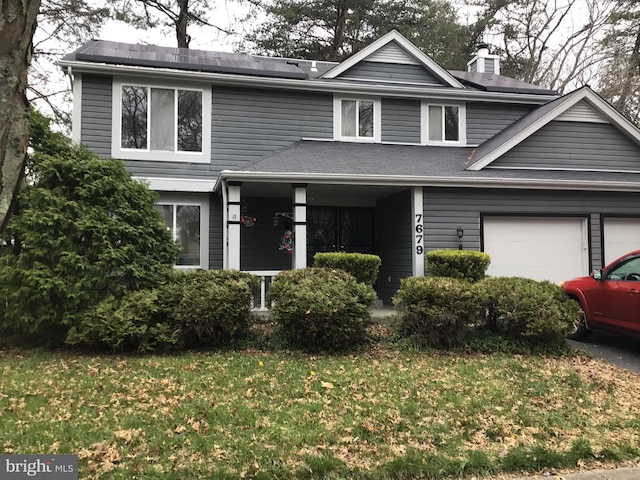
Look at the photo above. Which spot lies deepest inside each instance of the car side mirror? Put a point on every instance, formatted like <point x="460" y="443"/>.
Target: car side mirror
<point x="597" y="275"/>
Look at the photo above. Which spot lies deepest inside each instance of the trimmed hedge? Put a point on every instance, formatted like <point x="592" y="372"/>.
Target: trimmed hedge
<point x="320" y="308"/>
<point x="364" y="267"/>
<point x="460" y="264"/>
<point x="192" y="309"/>
<point x="438" y="311"/>
<point x="522" y="308"/>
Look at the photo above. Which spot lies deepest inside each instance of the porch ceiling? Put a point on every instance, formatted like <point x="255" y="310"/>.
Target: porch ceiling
<point x="323" y="194"/>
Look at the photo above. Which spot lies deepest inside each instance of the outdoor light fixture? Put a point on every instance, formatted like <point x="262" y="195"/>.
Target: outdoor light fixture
<point x="460" y="233"/>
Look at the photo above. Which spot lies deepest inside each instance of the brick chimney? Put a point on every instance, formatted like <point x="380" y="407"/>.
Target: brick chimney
<point x="484" y="62"/>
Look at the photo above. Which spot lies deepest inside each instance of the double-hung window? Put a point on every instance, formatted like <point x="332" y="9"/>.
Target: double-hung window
<point x="161" y="122"/>
<point x="184" y="222"/>
<point x="357" y="119"/>
<point x="443" y="124"/>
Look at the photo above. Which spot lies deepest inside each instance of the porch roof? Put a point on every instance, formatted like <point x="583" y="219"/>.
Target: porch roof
<point x="336" y="162"/>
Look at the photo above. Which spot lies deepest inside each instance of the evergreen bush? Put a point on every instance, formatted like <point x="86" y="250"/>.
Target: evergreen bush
<point x="460" y="264"/>
<point x="527" y="309"/>
<point x="190" y="309"/>
<point x="82" y="231"/>
<point x="320" y="308"/>
<point x="364" y="267"/>
<point x="438" y="311"/>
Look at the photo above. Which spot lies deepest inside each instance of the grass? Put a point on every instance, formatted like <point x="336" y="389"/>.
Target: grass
<point x="386" y="412"/>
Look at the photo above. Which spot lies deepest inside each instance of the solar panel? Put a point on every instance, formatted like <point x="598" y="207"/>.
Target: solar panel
<point x="184" y="59"/>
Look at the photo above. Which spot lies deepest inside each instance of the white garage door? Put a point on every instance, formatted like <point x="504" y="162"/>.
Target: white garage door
<point x="621" y="235"/>
<point x="541" y="248"/>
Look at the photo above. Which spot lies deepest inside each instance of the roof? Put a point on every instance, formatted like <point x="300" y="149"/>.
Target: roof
<point x="519" y="131"/>
<point x="344" y="162"/>
<point x="185" y="59"/>
<point x="104" y="52"/>
<point x="491" y="82"/>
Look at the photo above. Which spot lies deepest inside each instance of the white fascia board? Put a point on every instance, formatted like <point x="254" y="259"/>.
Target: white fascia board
<point x="563" y="105"/>
<point x="167" y="184"/>
<point x="311" y="85"/>
<point x="426" y="181"/>
<point x="409" y="47"/>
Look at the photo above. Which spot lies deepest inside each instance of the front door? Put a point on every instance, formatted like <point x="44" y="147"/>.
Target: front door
<point x="339" y="229"/>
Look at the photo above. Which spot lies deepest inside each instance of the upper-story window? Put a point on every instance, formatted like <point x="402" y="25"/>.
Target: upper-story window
<point x="443" y="124"/>
<point x="161" y="123"/>
<point x="357" y="119"/>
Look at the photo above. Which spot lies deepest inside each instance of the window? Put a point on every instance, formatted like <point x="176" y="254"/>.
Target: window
<point x="443" y="124"/>
<point x="628" y="271"/>
<point x="161" y="119"/>
<point x="184" y="222"/>
<point x="161" y="123"/>
<point x="357" y="119"/>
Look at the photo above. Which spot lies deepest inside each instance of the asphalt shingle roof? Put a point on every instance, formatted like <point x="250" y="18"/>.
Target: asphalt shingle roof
<point x="364" y="159"/>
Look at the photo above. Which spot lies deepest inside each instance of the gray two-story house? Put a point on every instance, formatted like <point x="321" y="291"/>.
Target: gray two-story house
<point x="262" y="162"/>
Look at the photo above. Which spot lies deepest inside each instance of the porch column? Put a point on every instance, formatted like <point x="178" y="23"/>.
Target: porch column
<point x="417" y="213"/>
<point x="233" y="225"/>
<point x="300" y="225"/>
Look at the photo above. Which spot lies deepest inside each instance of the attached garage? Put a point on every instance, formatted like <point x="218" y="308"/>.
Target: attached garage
<point x="621" y="235"/>
<point x="541" y="248"/>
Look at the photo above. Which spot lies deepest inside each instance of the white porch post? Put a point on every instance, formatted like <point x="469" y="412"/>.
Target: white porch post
<point x="417" y="213"/>
<point x="233" y="225"/>
<point x="300" y="225"/>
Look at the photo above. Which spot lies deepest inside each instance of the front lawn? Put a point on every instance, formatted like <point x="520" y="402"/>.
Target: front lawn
<point x="386" y="412"/>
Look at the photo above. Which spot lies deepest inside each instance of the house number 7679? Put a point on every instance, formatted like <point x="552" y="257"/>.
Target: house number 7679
<point x="419" y="236"/>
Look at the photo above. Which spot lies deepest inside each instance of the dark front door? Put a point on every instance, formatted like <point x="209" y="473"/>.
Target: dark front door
<point x="339" y="229"/>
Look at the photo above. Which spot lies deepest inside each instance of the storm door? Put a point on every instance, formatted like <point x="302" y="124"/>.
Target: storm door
<point x="338" y="229"/>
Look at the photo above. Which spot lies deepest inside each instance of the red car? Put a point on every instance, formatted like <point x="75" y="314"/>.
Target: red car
<point x="610" y="298"/>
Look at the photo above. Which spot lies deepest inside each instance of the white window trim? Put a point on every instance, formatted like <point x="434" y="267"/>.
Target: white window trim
<point x="424" y="124"/>
<point x="131" y="154"/>
<point x="377" y="119"/>
<point x="199" y="200"/>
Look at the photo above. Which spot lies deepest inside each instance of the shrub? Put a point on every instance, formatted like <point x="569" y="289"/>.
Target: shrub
<point x="319" y="308"/>
<point x="215" y="306"/>
<point x="83" y="231"/>
<point x="528" y="309"/>
<point x="438" y="311"/>
<point x="364" y="267"/>
<point x="197" y="308"/>
<point x="140" y="321"/>
<point x="460" y="264"/>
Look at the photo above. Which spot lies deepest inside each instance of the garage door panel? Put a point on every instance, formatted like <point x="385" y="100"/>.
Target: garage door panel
<point x="552" y="249"/>
<point x="621" y="235"/>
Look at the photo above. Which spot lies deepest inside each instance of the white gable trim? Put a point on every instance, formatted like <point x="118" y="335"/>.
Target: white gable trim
<point x="409" y="47"/>
<point x="564" y="104"/>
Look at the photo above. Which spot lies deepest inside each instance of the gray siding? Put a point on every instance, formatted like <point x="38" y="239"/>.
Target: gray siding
<point x="486" y="120"/>
<point x="575" y="145"/>
<point x="259" y="244"/>
<point x="215" y="231"/>
<point x="96" y="114"/>
<point x="446" y="208"/>
<point x="393" y="242"/>
<point x="248" y="124"/>
<point x="146" y="168"/>
<point x="400" y="120"/>
<point x="392" y="72"/>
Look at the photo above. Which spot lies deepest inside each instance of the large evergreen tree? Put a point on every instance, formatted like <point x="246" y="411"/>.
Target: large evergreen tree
<point x="83" y="229"/>
<point x="335" y="29"/>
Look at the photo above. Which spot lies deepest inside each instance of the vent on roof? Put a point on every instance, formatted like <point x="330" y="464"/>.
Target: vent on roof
<point x="484" y="62"/>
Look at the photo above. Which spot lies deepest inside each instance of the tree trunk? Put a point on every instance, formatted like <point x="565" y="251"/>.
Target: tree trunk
<point x="182" y="22"/>
<point x="17" y="24"/>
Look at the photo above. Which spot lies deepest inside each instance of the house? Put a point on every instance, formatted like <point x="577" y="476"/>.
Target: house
<point x="261" y="162"/>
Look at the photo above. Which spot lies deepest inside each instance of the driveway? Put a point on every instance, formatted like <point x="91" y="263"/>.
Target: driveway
<point x="619" y="350"/>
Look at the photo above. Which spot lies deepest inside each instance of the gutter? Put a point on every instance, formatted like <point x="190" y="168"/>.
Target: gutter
<point x="424" y="181"/>
<point x="312" y="85"/>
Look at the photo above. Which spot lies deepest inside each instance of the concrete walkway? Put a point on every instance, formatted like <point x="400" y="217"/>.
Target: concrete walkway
<point x="625" y="473"/>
